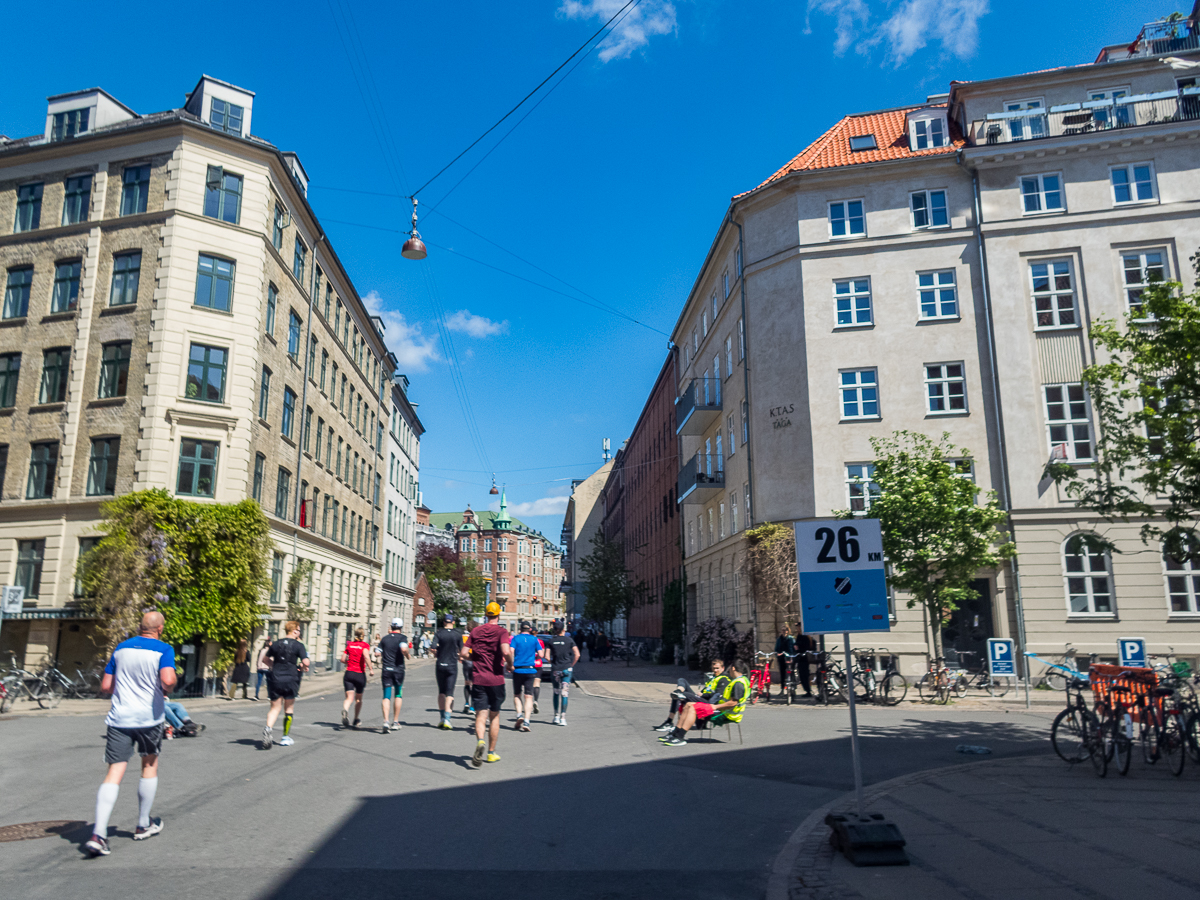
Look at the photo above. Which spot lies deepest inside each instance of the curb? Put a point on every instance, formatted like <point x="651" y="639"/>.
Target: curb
<point x="582" y="685"/>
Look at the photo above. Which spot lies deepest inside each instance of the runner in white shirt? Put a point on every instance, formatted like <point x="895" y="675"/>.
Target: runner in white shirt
<point x="139" y="675"/>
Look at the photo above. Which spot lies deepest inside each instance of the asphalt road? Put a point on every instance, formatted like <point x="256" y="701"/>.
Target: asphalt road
<point x="598" y="809"/>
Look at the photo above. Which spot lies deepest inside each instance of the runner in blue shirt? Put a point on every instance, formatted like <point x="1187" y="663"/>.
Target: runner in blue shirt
<point x="527" y="650"/>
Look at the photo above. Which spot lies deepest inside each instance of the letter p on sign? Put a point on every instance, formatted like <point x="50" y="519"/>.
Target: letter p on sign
<point x="1132" y="652"/>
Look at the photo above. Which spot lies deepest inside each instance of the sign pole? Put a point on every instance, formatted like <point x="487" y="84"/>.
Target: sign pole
<point x="858" y="787"/>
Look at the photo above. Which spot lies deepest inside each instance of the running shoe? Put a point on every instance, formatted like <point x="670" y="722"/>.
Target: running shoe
<point x="665" y="726"/>
<point x="556" y="720"/>
<point x="524" y="726"/>
<point x="520" y="725"/>
<point x="445" y="725"/>
<point x="535" y="709"/>
<point x="493" y="757"/>
<point x="477" y="757"/>
<point x="286" y="741"/>
<point x="672" y="741"/>
<point x="395" y="726"/>
<point x="266" y="739"/>
<point x="471" y="710"/>
<point x="140" y="833"/>
<point x="562" y="720"/>
<point x="97" y="846"/>
<point x="356" y="721"/>
<point x="345" y="719"/>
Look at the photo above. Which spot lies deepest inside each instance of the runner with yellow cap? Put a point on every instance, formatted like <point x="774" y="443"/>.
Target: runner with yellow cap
<point x="488" y="647"/>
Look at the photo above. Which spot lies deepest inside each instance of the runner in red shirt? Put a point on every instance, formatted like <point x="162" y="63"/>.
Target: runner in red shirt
<point x="357" y="659"/>
<point x="488" y="646"/>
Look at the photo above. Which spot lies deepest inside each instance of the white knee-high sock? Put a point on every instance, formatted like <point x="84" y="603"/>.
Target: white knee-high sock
<point x="147" y="787"/>
<point x="106" y="799"/>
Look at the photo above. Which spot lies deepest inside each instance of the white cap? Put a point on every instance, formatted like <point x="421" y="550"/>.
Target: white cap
<point x="397" y="623"/>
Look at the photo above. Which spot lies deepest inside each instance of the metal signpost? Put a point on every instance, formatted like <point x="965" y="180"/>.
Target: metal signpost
<point x="1132" y="652"/>
<point x="1002" y="658"/>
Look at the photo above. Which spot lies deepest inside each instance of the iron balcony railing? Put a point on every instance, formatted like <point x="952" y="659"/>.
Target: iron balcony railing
<point x="699" y="480"/>
<point x="1107" y="115"/>
<point x="1158" y="38"/>
<point x="698" y="405"/>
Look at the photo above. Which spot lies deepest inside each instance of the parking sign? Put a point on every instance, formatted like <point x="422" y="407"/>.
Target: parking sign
<point x="1002" y="658"/>
<point x="1132" y="652"/>
<point x="842" y="583"/>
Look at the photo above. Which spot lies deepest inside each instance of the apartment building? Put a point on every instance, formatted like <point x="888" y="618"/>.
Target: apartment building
<point x="175" y="317"/>
<point x="402" y="497"/>
<point x="936" y="268"/>
<point x="582" y="520"/>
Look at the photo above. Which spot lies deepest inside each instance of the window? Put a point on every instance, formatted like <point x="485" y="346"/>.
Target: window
<point x="1089" y="582"/>
<point x="307" y="428"/>
<point x="77" y="192"/>
<point x="938" y="296"/>
<point x="29" y="565"/>
<point x="860" y="394"/>
<point x="29" y="207"/>
<point x="298" y="260"/>
<point x="283" y="488"/>
<point x="720" y="456"/>
<point x="846" y="218"/>
<point x="102" y="466"/>
<point x="863" y="142"/>
<point x="929" y="209"/>
<point x="733" y="513"/>
<point x="16" y="292"/>
<point x="704" y="322"/>
<point x="861" y="489"/>
<point x="289" y="410"/>
<point x="337" y="469"/>
<point x="114" y="369"/>
<point x="853" y="301"/>
<point x="741" y="339"/>
<point x="320" y="438"/>
<point x="70" y="123"/>
<point x="206" y="373"/>
<point x="264" y="393"/>
<point x="1141" y="270"/>
<point x="214" y="282"/>
<point x="946" y="388"/>
<point x="66" y="286"/>
<point x="294" y="325"/>
<point x="324" y="363"/>
<point x="312" y="357"/>
<point x="1026" y="127"/>
<point x="1053" y="294"/>
<point x="260" y="463"/>
<point x="10" y="371"/>
<point x="725" y="282"/>
<point x="1067" y="420"/>
<point x="964" y="467"/>
<point x="272" y="302"/>
<point x="1133" y="184"/>
<point x="222" y="195"/>
<point x="1042" y="193"/>
<point x="56" y="367"/>
<point x="729" y="430"/>
<point x="135" y="190"/>
<point x="43" y="465"/>
<point x="197" y="468"/>
<point x="277" y="578"/>
<point x="277" y="225"/>
<point x="929" y="133"/>
<point x="127" y="269"/>
<point x="1183" y="584"/>
<point x="1120" y="115"/>
<point x="745" y="421"/>
<point x="86" y="546"/>
<point x="226" y="116"/>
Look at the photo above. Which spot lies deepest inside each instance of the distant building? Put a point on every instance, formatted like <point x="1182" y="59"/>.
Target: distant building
<point x="402" y="495"/>
<point x="581" y="521"/>
<point x="428" y="534"/>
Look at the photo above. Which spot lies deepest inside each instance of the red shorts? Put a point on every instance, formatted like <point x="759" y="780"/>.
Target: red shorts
<point x="704" y="710"/>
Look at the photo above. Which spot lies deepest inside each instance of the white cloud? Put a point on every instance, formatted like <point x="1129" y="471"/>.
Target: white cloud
<point x="910" y="28"/>
<point x="475" y="326"/>
<point x="633" y="31"/>
<point x="414" y="351"/>
<point x="545" y="506"/>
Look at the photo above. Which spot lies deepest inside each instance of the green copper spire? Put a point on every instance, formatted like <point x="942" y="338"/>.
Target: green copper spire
<point x="501" y="520"/>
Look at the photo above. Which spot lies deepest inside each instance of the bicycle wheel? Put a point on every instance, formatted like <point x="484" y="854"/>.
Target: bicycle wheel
<point x="924" y="688"/>
<point x="1069" y="735"/>
<point x="837" y="685"/>
<point x="959" y="684"/>
<point x="1171" y="744"/>
<point x="6" y="701"/>
<point x="1191" y="734"/>
<point x="1149" y="741"/>
<point x="894" y="689"/>
<point x="1055" y="680"/>
<point x="49" y="696"/>
<point x="997" y="687"/>
<point x="1122" y="742"/>
<point x="943" y="690"/>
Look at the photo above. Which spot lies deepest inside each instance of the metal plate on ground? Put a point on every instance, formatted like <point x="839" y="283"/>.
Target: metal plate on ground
<point x="33" y="830"/>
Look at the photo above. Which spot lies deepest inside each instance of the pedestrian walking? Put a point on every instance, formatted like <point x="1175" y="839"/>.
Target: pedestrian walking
<point x="527" y="650"/>
<point x="784" y="647"/>
<point x="393" y="652"/>
<point x="590" y="641"/>
<point x="489" y="647"/>
<point x="288" y="658"/>
<point x="241" y="671"/>
<point x="602" y="645"/>
<point x="357" y="660"/>
<point x="449" y="648"/>
<point x="804" y="645"/>
<point x="564" y="654"/>
<point x="139" y="675"/>
<point x="263" y="667"/>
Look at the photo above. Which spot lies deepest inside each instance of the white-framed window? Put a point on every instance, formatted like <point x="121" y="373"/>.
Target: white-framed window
<point x="695" y="342"/>
<point x="1114" y="116"/>
<point x="938" y="294"/>
<point x="725" y="282"/>
<point x="691" y="540"/>
<point x="728" y="357"/>
<point x="1053" y="288"/>
<point x="721" y="521"/>
<point x="733" y="512"/>
<point x="1132" y="184"/>
<point x="945" y="389"/>
<point x="720" y="454"/>
<point x="964" y="467"/>
<point x="928" y="133"/>
<point x="1140" y="269"/>
<point x="1087" y="569"/>
<point x="715" y="306"/>
<point x="1067" y="421"/>
<point x="929" y="209"/>
<point x="711" y="527"/>
<point x="859" y="390"/>
<point x="861" y="489"/>
<point x="745" y="421"/>
<point x="1183" y="584"/>
<point x="852" y="299"/>
<point x="741" y="339"/>
<point x="1042" y="193"/>
<point x="729" y="427"/>
<point x="846" y="219"/>
<point x="1027" y="127"/>
<point x="746" y="497"/>
<point x="704" y="323"/>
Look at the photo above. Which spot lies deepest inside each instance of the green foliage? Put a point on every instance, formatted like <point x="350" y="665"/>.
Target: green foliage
<point x="718" y="638"/>
<point x="769" y="566"/>
<point x="936" y="534"/>
<point x="441" y="563"/>
<point x="301" y="572"/>
<point x="608" y="594"/>
<point x="1146" y="396"/>
<point x="673" y="615"/>
<point x="204" y="566"/>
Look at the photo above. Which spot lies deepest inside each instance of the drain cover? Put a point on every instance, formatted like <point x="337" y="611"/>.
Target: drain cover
<point x="32" y="830"/>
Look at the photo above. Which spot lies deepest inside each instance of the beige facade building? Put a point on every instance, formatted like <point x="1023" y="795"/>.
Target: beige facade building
<point x="402" y="447"/>
<point x="936" y="268"/>
<point x="581" y="522"/>
<point x="175" y="318"/>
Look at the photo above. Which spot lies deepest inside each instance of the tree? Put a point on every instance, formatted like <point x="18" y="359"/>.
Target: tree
<point x="769" y="566"/>
<point x="442" y="563"/>
<point x="673" y="616"/>
<point x="449" y="598"/>
<point x="936" y="534"/>
<point x="301" y="612"/>
<point x="608" y="594"/>
<point x="719" y="638"/>
<point x="1146" y="397"/>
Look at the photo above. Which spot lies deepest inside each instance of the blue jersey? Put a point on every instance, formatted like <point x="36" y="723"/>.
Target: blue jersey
<point x="525" y="648"/>
<point x="137" y="699"/>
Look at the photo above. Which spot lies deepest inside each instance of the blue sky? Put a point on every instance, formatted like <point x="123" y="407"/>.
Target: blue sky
<point x="615" y="184"/>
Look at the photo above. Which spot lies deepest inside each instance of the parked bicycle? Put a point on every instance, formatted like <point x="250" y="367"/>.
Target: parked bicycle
<point x="1058" y="675"/>
<point x="883" y="685"/>
<point x="828" y="678"/>
<point x="936" y="685"/>
<point x="1076" y="734"/>
<point x="976" y="676"/>
<point x="760" y="677"/>
<point x="39" y="688"/>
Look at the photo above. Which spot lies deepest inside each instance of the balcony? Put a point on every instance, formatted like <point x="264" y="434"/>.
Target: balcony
<point x="1160" y="38"/>
<point x="694" y="485"/>
<point x="1108" y="116"/>
<point x="699" y="406"/>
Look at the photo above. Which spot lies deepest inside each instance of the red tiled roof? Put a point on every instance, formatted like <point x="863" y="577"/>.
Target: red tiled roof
<point x="832" y="149"/>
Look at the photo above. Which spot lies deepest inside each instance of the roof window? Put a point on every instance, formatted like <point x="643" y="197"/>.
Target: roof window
<point x="70" y="123"/>
<point x="863" y="142"/>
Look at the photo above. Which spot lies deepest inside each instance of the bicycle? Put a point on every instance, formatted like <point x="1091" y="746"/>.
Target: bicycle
<point x="886" y="691"/>
<point x="829" y="677"/>
<point x="1058" y="675"/>
<point x="760" y="677"/>
<point x="43" y="692"/>
<point x="80" y="688"/>
<point x="980" y="678"/>
<point x="1076" y="734"/>
<point x="937" y="683"/>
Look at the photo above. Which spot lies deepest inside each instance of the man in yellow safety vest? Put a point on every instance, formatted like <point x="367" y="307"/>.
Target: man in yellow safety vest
<point x="733" y="698"/>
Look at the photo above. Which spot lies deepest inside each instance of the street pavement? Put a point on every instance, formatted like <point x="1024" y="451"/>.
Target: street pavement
<point x="598" y="809"/>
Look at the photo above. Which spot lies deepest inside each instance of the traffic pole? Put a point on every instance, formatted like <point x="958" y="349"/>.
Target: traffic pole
<point x="858" y="784"/>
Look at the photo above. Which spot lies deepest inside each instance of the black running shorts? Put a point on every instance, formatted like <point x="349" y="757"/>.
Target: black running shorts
<point x="523" y="683"/>
<point x="393" y="677"/>
<point x="490" y="696"/>
<point x="354" y="681"/>
<point x="283" y="689"/>
<point x="446" y="679"/>
<point x="120" y="743"/>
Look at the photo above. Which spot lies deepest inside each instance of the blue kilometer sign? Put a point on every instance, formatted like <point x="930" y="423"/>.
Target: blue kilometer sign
<point x="842" y="582"/>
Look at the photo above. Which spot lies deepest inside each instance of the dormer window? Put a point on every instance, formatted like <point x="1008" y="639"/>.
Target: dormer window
<point x="863" y="142"/>
<point x="928" y="133"/>
<point x="70" y="123"/>
<point x="226" y="117"/>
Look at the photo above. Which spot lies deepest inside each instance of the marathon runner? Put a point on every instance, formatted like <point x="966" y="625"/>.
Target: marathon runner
<point x="468" y="665"/>
<point x="564" y="654"/>
<point x="527" y="652"/>
<point x="488" y="645"/>
<point x="449" y="647"/>
<point x="288" y="658"/>
<point x="393" y="651"/>
<point x="139" y="674"/>
<point x="357" y="660"/>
